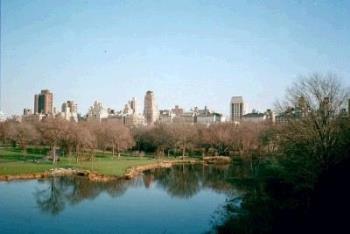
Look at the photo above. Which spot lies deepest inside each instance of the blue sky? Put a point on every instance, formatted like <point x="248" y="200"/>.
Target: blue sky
<point x="190" y="53"/>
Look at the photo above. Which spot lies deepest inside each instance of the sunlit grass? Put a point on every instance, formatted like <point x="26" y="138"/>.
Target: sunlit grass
<point x="14" y="161"/>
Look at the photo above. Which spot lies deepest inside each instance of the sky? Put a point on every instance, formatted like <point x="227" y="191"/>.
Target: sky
<point x="190" y="53"/>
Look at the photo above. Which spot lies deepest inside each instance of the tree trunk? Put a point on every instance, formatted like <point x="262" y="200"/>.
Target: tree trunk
<point x="113" y="150"/>
<point x="77" y="154"/>
<point x="183" y="153"/>
<point x="70" y="151"/>
<point x="24" y="150"/>
<point x="118" y="151"/>
<point x="54" y="154"/>
<point x="92" y="159"/>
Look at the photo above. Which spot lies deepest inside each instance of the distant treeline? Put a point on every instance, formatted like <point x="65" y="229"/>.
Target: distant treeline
<point x="178" y="139"/>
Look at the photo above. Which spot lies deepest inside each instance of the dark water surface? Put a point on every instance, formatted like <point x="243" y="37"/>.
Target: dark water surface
<point x="181" y="199"/>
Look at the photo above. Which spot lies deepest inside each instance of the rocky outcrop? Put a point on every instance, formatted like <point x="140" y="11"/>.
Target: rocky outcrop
<point x="93" y="176"/>
<point x="24" y="176"/>
<point x="51" y="172"/>
<point x="217" y="160"/>
<point x="68" y="172"/>
<point x="135" y="171"/>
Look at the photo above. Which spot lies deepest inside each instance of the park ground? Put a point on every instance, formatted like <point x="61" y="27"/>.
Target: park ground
<point x="14" y="161"/>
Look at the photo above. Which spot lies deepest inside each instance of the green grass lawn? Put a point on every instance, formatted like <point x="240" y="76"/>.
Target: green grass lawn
<point x="14" y="161"/>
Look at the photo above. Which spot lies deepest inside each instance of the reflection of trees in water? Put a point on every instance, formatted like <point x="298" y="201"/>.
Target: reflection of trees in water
<point x="148" y="179"/>
<point x="214" y="177"/>
<point x="180" y="181"/>
<point x="51" y="199"/>
<point x="184" y="181"/>
<point x="72" y="190"/>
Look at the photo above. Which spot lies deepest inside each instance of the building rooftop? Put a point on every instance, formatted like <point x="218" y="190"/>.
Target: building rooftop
<point x="236" y="99"/>
<point x="254" y="115"/>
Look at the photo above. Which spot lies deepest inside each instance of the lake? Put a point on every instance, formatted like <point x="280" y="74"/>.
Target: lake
<point x="181" y="199"/>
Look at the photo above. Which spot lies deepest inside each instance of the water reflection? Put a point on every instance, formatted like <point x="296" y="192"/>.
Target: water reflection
<point x="60" y="191"/>
<point x="180" y="181"/>
<point x="184" y="181"/>
<point x="51" y="199"/>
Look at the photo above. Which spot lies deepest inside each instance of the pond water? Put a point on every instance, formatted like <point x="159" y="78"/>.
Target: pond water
<point x="181" y="199"/>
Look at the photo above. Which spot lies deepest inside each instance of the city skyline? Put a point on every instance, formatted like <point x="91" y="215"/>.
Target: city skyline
<point x="90" y="50"/>
<point x="132" y="106"/>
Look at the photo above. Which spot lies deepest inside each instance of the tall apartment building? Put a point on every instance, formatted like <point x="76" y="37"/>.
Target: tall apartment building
<point x="97" y="112"/>
<point x="69" y="111"/>
<point x="150" y="108"/>
<point x="133" y="105"/>
<point x="236" y="108"/>
<point x="43" y="102"/>
<point x="69" y="106"/>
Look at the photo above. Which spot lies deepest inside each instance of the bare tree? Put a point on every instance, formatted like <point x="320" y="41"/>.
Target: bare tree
<point x="118" y="136"/>
<point x="99" y="131"/>
<point x="80" y="138"/>
<point x="184" y="136"/>
<point x="318" y="99"/>
<point x="53" y="131"/>
<point x="22" y="133"/>
<point x="8" y="131"/>
<point x="162" y="138"/>
<point x="318" y="91"/>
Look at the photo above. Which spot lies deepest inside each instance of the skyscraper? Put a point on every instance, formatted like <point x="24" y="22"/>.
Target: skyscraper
<point x="150" y="108"/>
<point x="97" y="112"/>
<point x="237" y="108"/>
<point x="69" y="111"/>
<point x="36" y="104"/>
<point x="69" y="106"/>
<point x="43" y="102"/>
<point x="133" y="105"/>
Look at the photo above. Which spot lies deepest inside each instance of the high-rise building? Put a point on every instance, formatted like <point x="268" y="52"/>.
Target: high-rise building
<point x="69" y="106"/>
<point x="69" y="111"/>
<point x="133" y="105"/>
<point x="97" y="112"/>
<point x="36" y="104"/>
<point x="150" y="108"/>
<point x="43" y="102"/>
<point x="237" y="108"/>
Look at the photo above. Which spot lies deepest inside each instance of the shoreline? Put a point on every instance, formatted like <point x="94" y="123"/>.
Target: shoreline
<point x="130" y="173"/>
